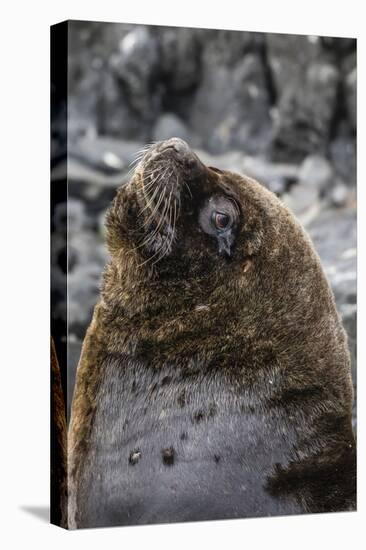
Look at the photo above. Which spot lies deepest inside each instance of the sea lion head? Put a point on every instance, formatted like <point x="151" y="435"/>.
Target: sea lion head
<point x="179" y="217"/>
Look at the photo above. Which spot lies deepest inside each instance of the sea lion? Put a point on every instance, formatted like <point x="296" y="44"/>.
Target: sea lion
<point x="214" y="380"/>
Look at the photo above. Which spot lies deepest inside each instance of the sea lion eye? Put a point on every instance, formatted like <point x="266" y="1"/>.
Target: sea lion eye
<point x="220" y="220"/>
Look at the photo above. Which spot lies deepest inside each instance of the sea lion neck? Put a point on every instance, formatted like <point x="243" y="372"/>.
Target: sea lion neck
<point x="142" y="294"/>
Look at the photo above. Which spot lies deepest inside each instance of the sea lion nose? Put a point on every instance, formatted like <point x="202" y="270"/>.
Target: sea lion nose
<point x="180" y="150"/>
<point x="179" y="146"/>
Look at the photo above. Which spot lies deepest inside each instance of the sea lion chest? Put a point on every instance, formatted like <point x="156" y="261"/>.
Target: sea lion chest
<point x="171" y="446"/>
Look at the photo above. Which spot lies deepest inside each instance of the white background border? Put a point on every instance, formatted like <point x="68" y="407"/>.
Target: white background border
<point x="24" y="313"/>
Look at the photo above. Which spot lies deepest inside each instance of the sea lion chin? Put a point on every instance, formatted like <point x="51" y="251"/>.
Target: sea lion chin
<point x="214" y="379"/>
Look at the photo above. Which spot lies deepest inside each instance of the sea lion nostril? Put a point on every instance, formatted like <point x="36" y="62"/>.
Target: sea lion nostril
<point x="177" y="144"/>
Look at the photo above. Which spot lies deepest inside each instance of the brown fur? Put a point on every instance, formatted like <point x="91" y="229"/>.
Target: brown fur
<point x="266" y="321"/>
<point x="58" y="446"/>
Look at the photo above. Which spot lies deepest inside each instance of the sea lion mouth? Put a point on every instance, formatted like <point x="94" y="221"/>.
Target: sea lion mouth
<point x="164" y="177"/>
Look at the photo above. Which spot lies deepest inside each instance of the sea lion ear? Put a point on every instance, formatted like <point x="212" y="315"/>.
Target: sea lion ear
<point x="217" y="170"/>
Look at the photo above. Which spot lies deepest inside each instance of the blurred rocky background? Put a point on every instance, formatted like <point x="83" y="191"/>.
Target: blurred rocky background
<point x="280" y="108"/>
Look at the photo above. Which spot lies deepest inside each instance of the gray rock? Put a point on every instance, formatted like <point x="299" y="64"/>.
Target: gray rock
<point x="90" y="46"/>
<point x="351" y="98"/>
<point x="306" y="110"/>
<point x="135" y="66"/>
<point x="227" y="48"/>
<point x="89" y="249"/>
<point x="83" y="289"/>
<point x="306" y="85"/>
<point x="179" y="57"/>
<point x="228" y="161"/>
<point x="276" y="176"/>
<point x="303" y="201"/>
<point x="340" y="194"/>
<point x="106" y="154"/>
<point x="115" y="114"/>
<point x="334" y="235"/>
<point x="343" y="155"/>
<point x="236" y="89"/>
<point x="316" y="172"/>
<point x="76" y="216"/>
<point x="170" y="125"/>
<point x="338" y="47"/>
<point x="289" y="56"/>
<point x="231" y="107"/>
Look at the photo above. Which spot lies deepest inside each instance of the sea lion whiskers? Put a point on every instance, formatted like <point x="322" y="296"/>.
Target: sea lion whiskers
<point x="148" y="240"/>
<point x="156" y="208"/>
<point x="154" y="181"/>
<point x="165" y="211"/>
<point x="172" y="225"/>
<point x="188" y="188"/>
<point x="159" y="249"/>
<point x="145" y="192"/>
<point x="149" y="204"/>
<point x="149" y="197"/>
<point x="168" y="241"/>
<point x="141" y="153"/>
<point x="134" y="162"/>
<point x="151" y="236"/>
<point x="138" y="158"/>
<point x="166" y="244"/>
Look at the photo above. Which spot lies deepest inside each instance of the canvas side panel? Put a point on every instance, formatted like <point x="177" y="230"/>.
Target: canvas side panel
<point x="59" y="255"/>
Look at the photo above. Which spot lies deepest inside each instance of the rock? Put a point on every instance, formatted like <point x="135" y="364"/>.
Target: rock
<point x="90" y="256"/>
<point x="289" y="55"/>
<point x="79" y="171"/>
<point x="235" y="89"/>
<point x="303" y="201"/>
<point x="169" y="125"/>
<point x="135" y="66"/>
<point x="334" y="233"/>
<point x="339" y="194"/>
<point x="115" y="115"/>
<point x="278" y="177"/>
<point x="227" y="48"/>
<point x="83" y="290"/>
<point x="306" y="110"/>
<point x="90" y="45"/>
<point x="306" y="85"/>
<point x="338" y="46"/>
<point x="113" y="80"/>
<point x="351" y="96"/>
<point x="227" y="161"/>
<point x="343" y="155"/>
<point x="76" y="216"/>
<point x="110" y="155"/>
<point x="89" y="249"/>
<point x="316" y="172"/>
<point x="231" y="107"/>
<point x="179" y="60"/>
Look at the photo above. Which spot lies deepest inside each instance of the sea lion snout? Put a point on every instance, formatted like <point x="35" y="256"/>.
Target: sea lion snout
<point x="179" y="145"/>
<point x="176" y="154"/>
